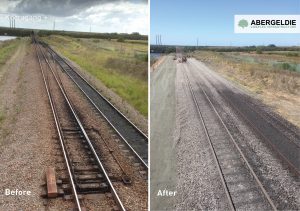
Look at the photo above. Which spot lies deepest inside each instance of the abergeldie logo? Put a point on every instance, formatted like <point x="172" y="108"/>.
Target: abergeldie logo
<point x="243" y="23"/>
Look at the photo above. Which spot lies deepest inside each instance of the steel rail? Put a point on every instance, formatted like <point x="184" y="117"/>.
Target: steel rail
<point x="58" y="128"/>
<point x="292" y="166"/>
<point x="114" y="192"/>
<point x="258" y="182"/>
<point x="231" y="204"/>
<point x="91" y="100"/>
<point x="258" y="131"/>
<point x="265" y="117"/>
<point x="131" y="123"/>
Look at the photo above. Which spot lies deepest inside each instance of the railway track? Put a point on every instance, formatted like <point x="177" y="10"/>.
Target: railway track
<point x="286" y="147"/>
<point x="133" y="137"/>
<point x="242" y="186"/>
<point x="86" y="172"/>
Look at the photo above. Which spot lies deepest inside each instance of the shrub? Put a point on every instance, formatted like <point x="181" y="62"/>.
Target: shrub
<point x="288" y="66"/>
<point x="121" y="39"/>
<point x="258" y="51"/>
<point x="292" y="54"/>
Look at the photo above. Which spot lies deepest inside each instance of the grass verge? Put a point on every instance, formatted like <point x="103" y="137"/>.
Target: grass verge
<point x="7" y="48"/>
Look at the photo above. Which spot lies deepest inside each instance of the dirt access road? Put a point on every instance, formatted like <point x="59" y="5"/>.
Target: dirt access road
<point x="261" y="135"/>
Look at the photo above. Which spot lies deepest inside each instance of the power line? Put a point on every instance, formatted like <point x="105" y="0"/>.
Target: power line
<point x="12" y="22"/>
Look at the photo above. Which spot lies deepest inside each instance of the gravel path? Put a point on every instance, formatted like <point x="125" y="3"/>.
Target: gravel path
<point x="199" y="186"/>
<point x="27" y="143"/>
<point x="162" y="152"/>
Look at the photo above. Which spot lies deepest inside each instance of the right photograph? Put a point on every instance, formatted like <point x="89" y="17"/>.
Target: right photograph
<point x="224" y="105"/>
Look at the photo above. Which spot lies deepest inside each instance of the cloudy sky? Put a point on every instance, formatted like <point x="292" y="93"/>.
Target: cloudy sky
<point x="122" y="16"/>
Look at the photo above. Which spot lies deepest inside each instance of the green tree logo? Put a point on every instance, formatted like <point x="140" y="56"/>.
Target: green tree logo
<point x="243" y="23"/>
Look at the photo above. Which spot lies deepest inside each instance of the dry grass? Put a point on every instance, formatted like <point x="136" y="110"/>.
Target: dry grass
<point x="278" y="87"/>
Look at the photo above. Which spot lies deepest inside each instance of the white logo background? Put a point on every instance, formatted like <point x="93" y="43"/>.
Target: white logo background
<point x="267" y="28"/>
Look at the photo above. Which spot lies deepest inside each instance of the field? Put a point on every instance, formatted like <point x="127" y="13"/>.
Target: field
<point x="7" y="48"/>
<point x="120" y="64"/>
<point x="273" y="75"/>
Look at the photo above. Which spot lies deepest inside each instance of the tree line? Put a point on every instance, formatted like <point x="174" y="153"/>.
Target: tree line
<point x="172" y="49"/>
<point x="22" y="32"/>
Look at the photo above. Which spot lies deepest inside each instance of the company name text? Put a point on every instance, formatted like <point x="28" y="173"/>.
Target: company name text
<point x="274" y="22"/>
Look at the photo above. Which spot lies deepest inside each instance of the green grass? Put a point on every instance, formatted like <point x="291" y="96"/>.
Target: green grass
<point x="121" y="66"/>
<point x="2" y="117"/>
<point x="7" y="48"/>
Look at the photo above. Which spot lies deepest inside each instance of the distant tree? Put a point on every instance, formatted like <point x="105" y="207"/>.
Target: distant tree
<point x="121" y="39"/>
<point x="272" y="46"/>
<point x="258" y="51"/>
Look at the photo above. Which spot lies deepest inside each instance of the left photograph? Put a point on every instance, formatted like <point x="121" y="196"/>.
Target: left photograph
<point x="74" y="105"/>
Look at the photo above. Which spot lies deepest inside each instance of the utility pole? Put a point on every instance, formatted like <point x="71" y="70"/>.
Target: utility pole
<point x="197" y="41"/>
<point x="158" y="39"/>
<point x="14" y="23"/>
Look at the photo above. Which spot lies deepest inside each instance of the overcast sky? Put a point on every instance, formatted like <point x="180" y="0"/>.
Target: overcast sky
<point x="122" y="16"/>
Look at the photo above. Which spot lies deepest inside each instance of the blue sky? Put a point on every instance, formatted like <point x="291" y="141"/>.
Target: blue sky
<point x="181" y="22"/>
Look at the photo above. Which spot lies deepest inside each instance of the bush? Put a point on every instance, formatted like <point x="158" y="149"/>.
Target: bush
<point x="292" y="54"/>
<point x="288" y="66"/>
<point x="121" y="39"/>
<point x="258" y="51"/>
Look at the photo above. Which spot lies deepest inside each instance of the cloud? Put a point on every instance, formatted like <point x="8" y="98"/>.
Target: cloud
<point x="61" y="8"/>
<point x="123" y="16"/>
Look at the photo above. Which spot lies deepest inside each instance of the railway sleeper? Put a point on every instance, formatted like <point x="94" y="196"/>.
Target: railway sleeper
<point x="92" y="187"/>
<point x="89" y="176"/>
<point x="86" y="168"/>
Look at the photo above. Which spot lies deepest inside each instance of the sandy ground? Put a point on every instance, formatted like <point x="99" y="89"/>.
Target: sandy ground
<point x="27" y="144"/>
<point x="162" y="152"/>
<point x="158" y="63"/>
